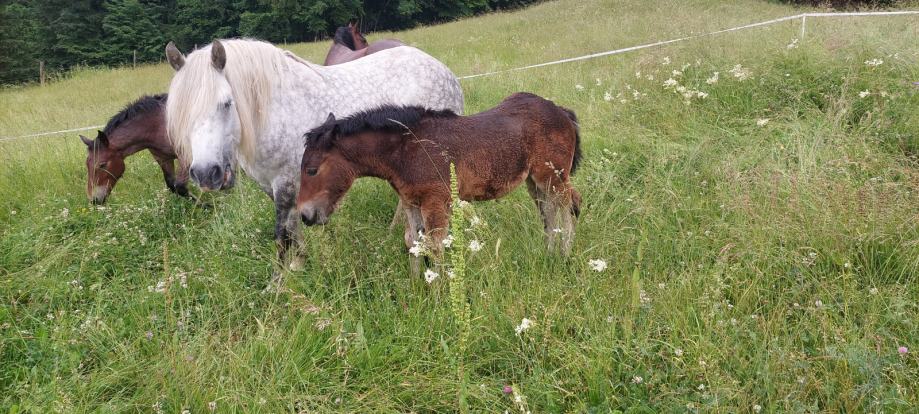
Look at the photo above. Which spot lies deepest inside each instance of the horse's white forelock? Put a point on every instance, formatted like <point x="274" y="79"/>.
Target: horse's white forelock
<point x="251" y="68"/>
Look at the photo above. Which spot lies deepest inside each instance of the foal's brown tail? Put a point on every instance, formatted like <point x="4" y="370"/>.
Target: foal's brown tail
<point x="577" y="138"/>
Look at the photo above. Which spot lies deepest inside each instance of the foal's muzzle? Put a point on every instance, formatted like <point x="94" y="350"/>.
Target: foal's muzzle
<point x="213" y="177"/>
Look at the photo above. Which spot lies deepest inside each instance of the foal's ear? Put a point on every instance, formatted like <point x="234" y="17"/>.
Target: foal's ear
<point x="174" y="56"/>
<point x="330" y="118"/>
<point x="89" y="143"/>
<point x="218" y="55"/>
<point x="101" y="138"/>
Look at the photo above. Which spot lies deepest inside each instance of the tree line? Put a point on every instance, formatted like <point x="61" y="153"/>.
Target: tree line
<point x="65" y="33"/>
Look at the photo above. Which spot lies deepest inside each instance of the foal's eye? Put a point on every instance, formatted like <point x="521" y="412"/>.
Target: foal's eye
<point x="311" y="171"/>
<point x="104" y="165"/>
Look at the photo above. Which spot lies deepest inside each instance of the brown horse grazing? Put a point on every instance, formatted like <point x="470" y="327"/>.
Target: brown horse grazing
<point x="525" y="137"/>
<point x="349" y="44"/>
<point x="139" y="126"/>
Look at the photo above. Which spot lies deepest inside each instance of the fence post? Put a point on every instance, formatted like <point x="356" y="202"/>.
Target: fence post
<point x="41" y="72"/>
<point x="803" y="23"/>
<point x="134" y="66"/>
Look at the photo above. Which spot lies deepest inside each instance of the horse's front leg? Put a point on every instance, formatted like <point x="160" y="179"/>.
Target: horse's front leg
<point x="168" y="168"/>
<point x="181" y="179"/>
<point x="286" y="230"/>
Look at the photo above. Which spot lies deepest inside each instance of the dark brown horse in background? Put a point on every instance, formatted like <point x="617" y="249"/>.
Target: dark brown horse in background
<point x="139" y="126"/>
<point x="349" y="44"/>
<point x="525" y="137"/>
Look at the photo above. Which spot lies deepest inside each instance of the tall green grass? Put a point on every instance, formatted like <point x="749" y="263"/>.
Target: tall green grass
<point x="752" y="265"/>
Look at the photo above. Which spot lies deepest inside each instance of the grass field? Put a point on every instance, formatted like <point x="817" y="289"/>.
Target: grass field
<point x="761" y="236"/>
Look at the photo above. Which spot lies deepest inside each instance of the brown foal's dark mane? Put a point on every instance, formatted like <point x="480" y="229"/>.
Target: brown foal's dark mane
<point x="387" y="118"/>
<point x="142" y="105"/>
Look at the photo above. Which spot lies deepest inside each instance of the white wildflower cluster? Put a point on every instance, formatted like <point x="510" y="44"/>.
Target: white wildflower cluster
<point x="713" y="79"/>
<point x="687" y="93"/>
<point x="793" y="44"/>
<point x="741" y="73"/>
<point x="873" y="63"/>
<point x="864" y="94"/>
<point x="419" y="247"/>
<point x="525" y="324"/>
<point x="761" y="122"/>
<point x="598" y="265"/>
<point x="430" y="276"/>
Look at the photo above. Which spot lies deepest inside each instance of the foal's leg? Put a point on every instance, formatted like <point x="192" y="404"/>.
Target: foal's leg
<point x="181" y="179"/>
<point x="169" y="175"/>
<point x="560" y="204"/>
<point x="399" y="216"/>
<point x="436" y="217"/>
<point x="414" y="225"/>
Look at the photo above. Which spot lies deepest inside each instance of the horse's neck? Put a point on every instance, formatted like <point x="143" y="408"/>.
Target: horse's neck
<point x="145" y="131"/>
<point x="373" y="155"/>
<point x="340" y="54"/>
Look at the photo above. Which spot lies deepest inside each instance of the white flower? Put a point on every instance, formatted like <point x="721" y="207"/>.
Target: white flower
<point x="638" y="75"/>
<point x="524" y="325"/>
<point x="65" y="213"/>
<point x="649" y="77"/>
<point x="681" y="89"/>
<point x="666" y="60"/>
<point x="637" y="380"/>
<point x="762" y="122"/>
<point x="212" y="405"/>
<point x="448" y="241"/>
<point x="818" y="303"/>
<point x="756" y="407"/>
<point x="701" y="95"/>
<point x="579" y="87"/>
<point x="597" y="265"/>
<point x="740" y="72"/>
<point x="864" y="94"/>
<point x="430" y="275"/>
<point x="599" y="82"/>
<point x="607" y="97"/>
<point x="556" y="230"/>
<point x="874" y="62"/>
<point x="475" y="246"/>
<point x="793" y="44"/>
<point x="701" y="387"/>
<point x="677" y="73"/>
<point x="670" y="82"/>
<point x="475" y="221"/>
<point x="873" y="291"/>
<point x="714" y="79"/>
<point x="416" y="249"/>
<point x="678" y="352"/>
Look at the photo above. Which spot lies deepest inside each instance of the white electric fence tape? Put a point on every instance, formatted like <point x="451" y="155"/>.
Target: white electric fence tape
<point x="802" y="16"/>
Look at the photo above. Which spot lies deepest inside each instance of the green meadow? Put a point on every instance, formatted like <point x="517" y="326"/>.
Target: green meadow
<point x="748" y="241"/>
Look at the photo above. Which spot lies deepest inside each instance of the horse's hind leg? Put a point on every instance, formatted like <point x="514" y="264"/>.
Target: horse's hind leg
<point x="539" y="198"/>
<point x="414" y="226"/>
<point x="400" y="216"/>
<point x="559" y="205"/>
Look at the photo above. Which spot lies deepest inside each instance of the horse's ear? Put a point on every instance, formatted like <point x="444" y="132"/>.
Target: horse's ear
<point x="89" y="143"/>
<point x="218" y="55"/>
<point x="101" y="138"/>
<point x="174" y="56"/>
<point x="330" y="118"/>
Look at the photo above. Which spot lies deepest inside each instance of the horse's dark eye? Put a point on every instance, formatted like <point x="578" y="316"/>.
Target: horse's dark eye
<point x="104" y="165"/>
<point x="311" y="171"/>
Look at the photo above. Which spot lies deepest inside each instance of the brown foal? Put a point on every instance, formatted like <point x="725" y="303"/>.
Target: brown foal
<point x="524" y="138"/>
<point x="139" y="126"/>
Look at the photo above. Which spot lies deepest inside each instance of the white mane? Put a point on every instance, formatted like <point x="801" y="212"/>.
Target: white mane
<point x="251" y="68"/>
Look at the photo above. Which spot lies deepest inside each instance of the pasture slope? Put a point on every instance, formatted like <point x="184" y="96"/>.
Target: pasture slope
<point x="760" y="227"/>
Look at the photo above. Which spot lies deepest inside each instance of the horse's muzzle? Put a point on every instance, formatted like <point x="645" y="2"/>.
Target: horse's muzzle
<point x="213" y="177"/>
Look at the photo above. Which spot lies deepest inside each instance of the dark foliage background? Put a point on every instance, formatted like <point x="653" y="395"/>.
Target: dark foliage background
<point x="64" y="33"/>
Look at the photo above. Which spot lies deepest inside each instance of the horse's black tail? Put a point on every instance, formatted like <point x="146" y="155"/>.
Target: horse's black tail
<point x="577" y="139"/>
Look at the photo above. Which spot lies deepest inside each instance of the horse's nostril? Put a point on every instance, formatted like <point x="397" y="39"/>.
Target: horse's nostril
<point x="308" y="220"/>
<point x="216" y="174"/>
